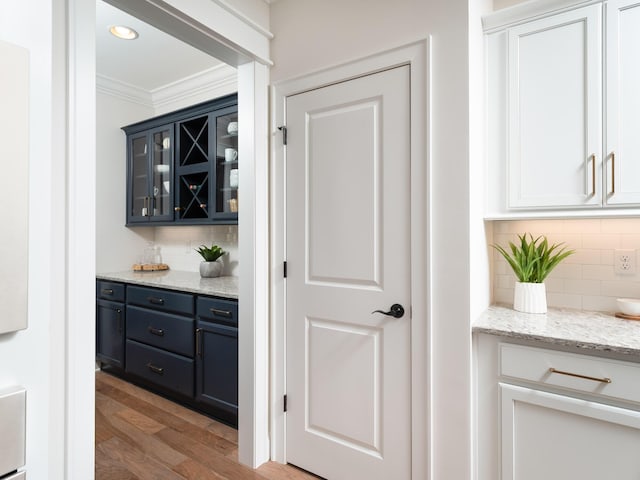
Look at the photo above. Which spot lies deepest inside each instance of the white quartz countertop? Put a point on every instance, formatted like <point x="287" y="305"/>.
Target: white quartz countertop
<point x="226" y="287"/>
<point x="595" y="331"/>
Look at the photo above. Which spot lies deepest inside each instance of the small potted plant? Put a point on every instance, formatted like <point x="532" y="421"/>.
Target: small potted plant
<point x="532" y="261"/>
<point x="212" y="265"/>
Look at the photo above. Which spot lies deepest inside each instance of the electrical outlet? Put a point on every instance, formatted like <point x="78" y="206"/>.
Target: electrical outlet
<point x="624" y="262"/>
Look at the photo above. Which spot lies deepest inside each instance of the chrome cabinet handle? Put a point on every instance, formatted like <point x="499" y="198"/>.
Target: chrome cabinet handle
<point x="577" y="375"/>
<point x="396" y="311"/>
<point x="119" y="314"/>
<point x="107" y="291"/>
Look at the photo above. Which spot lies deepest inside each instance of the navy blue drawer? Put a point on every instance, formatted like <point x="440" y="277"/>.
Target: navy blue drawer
<point x="167" y="370"/>
<point x="163" y="330"/>
<point x="218" y="311"/>
<point x="160" y="299"/>
<point x="110" y="291"/>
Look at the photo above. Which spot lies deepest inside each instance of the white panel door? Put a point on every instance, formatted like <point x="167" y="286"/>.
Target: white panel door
<point x="348" y="254"/>
<point x="555" y="111"/>
<point x="623" y="102"/>
<point x="556" y="437"/>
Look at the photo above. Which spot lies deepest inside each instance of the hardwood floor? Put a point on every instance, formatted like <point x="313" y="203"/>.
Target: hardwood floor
<point x="142" y="436"/>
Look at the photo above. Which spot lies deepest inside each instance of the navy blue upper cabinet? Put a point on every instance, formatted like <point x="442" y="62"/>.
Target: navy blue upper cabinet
<point x="150" y="168"/>
<point x="182" y="167"/>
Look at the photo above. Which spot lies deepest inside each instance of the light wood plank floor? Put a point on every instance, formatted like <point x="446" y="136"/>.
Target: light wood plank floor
<point x="142" y="436"/>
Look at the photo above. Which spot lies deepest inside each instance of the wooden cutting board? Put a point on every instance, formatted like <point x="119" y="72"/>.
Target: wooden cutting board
<point x="627" y="317"/>
<point x="149" y="267"/>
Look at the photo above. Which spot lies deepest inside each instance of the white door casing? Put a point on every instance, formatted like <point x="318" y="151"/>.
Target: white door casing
<point x="348" y="254"/>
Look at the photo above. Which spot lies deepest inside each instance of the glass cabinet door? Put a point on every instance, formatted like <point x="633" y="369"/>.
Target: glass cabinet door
<point x="139" y="178"/>
<point x="227" y="164"/>
<point x="161" y="204"/>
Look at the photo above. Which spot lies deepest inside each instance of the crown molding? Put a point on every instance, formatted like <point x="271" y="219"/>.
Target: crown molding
<point x="122" y="90"/>
<point x="219" y="78"/>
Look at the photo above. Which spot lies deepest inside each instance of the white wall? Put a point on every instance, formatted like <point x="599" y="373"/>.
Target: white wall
<point x="118" y="247"/>
<point x="311" y="35"/>
<point x="34" y="358"/>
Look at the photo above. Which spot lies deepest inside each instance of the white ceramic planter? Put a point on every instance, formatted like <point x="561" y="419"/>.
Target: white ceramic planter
<point x="211" y="269"/>
<point x="530" y="298"/>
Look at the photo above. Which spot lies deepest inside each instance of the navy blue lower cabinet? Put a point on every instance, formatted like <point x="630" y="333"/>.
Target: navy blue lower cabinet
<point x="217" y="370"/>
<point x="164" y="369"/>
<point x="110" y="333"/>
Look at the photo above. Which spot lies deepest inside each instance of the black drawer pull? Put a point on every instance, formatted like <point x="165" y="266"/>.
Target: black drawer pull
<point x="221" y="313"/>
<point x="156" y="301"/>
<point x="107" y="291"/>
<point x="154" y="369"/>
<point x="199" y="342"/>
<point x="156" y="331"/>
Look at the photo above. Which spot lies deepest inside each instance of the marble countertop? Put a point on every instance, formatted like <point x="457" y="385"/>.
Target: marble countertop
<point x="226" y="287"/>
<point x="599" y="332"/>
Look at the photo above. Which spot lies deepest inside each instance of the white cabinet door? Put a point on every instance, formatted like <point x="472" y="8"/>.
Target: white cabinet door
<point x="623" y="103"/>
<point x="556" y="437"/>
<point x="554" y="69"/>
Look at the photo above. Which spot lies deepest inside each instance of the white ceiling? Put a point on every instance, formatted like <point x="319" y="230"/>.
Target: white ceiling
<point x="153" y="60"/>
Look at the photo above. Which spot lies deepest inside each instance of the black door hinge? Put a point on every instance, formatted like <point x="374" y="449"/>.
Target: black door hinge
<point x="285" y="403"/>
<point x="283" y="129"/>
<point x="285" y="269"/>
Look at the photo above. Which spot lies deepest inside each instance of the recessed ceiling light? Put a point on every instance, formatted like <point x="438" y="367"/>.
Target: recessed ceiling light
<point x="121" y="31"/>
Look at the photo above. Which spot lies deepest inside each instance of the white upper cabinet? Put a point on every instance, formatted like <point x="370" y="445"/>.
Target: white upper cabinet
<point x="622" y="154"/>
<point x="546" y="81"/>
<point x="554" y="110"/>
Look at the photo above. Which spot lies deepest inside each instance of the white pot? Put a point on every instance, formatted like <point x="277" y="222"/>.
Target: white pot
<point x="211" y="269"/>
<point x="530" y="298"/>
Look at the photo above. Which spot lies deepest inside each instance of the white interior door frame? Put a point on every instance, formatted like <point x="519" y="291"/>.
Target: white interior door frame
<point x="417" y="55"/>
<point x="246" y="49"/>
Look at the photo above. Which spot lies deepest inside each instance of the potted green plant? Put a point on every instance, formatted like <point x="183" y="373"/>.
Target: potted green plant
<point x="212" y="264"/>
<point x="532" y="261"/>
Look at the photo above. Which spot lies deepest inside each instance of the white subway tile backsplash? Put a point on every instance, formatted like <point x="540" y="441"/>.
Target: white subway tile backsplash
<point x="582" y="287"/>
<point x="564" y="300"/>
<point x="601" y="240"/>
<point x="599" y="303"/>
<point x="581" y="226"/>
<point x="598" y="272"/>
<point x="585" y="280"/>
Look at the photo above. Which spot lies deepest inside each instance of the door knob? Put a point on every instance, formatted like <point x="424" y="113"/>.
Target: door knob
<point x="396" y="311"/>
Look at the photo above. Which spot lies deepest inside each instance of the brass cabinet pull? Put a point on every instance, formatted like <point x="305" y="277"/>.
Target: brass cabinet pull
<point x="154" y="369"/>
<point x="155" y="331"/>
<point x="593" y="174"/>
<point x="613" y="173"/>
<point x="577" y="375"/>
<point x="221" y="313"/>
<point x="177" y="209"/>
